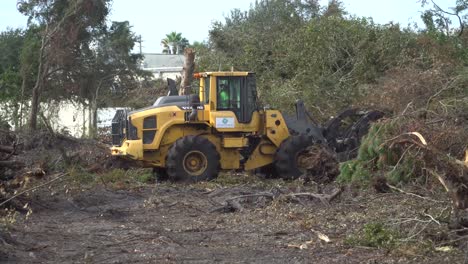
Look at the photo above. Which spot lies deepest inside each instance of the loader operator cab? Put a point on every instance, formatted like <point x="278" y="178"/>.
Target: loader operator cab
<point x="230" y="91"/>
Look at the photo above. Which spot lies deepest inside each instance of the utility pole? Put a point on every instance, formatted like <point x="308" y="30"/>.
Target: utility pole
<point x="139" y="42"/>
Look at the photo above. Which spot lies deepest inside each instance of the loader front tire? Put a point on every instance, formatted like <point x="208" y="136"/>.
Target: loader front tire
<point x="286" y="159"/>
<point x="192" y="159"/>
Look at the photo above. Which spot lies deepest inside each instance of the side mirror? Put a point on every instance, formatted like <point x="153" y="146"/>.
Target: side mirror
<point x="171" y="84"/>
<point x="194" y="100"/>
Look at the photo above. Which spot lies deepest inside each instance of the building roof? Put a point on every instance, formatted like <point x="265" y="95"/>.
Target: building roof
<point x="162" y="62"/>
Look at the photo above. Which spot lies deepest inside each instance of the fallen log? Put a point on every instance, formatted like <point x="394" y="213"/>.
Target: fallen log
<point x="267" y="194"/>
<point x="7" y="149"/>
<point x="13" y="164"/>
<point x="324" y="198"/>
<point x="232" y="204"/>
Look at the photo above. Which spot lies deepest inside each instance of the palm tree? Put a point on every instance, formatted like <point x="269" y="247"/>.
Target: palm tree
<point x="165" y="44"/>
<point x="172" y="42"/>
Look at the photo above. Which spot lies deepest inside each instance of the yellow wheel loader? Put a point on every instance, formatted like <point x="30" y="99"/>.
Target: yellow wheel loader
<point x="193" y="137"/>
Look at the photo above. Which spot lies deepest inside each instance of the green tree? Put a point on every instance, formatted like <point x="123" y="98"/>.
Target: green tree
<point x="110" y="68"/>
<point x="65" y="28"/>
<point x="301" y="50"/>
<point x="11" y="42"/>
<point x="255" y="39"/>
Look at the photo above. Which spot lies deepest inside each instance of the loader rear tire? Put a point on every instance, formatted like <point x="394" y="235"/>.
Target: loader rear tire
<point x="192" y="159"/>
<point x="286" y="159"/>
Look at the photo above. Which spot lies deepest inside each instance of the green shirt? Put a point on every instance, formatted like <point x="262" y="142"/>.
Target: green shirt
<point x="224" y="99"/>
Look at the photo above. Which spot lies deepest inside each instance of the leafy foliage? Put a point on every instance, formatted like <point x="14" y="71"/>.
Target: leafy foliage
<point x="321" y="54"/>
<point x="10" y="79"/>
<point x="374" y="234"/>
<point x="384" y="151"/>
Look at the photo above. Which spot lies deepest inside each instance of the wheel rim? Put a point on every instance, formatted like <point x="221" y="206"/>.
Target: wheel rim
<point x="195" y="163"/>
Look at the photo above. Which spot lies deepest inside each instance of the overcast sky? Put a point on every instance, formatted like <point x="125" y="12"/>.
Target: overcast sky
<point x="152" y="19"/>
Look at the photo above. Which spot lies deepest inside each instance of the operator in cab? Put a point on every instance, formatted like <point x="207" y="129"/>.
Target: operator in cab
<point x="223" y="96"/>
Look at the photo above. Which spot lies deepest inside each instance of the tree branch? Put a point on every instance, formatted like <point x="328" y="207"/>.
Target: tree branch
<point x="460" y="21"/>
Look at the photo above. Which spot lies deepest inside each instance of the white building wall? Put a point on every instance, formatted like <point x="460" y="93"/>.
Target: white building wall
<point x="166" y="72"/>
<point x="171" y="75"/>
<point x="72" y="118"/>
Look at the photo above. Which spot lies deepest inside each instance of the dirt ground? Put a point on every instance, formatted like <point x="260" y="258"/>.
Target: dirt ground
<point x="175" y="223"/>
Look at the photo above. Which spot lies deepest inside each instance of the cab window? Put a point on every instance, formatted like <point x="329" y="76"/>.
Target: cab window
<point x="228" y="96"/>
<point x="207" y="90"/>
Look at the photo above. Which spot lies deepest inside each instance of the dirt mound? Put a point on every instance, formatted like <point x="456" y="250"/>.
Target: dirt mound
<point x="48" y="152"/>
<point x="25" y="157"/>
<point x="54" y="152"/>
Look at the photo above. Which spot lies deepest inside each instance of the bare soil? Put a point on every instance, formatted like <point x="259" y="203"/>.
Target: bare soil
<point x="175" y="223"/>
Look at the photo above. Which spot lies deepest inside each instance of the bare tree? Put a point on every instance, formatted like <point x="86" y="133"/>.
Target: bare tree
<point x="189" y="66"/>
<point x="443" y="17"/>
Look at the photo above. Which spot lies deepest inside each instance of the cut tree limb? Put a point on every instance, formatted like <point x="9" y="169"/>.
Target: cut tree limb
<point x="324" y="198"/>
<point x="60" y="176"/>
<point x="265" y="194"/>
<point x="454" y="177"/>
<point x="412" y="194"/>
<point x="441" y="180"/>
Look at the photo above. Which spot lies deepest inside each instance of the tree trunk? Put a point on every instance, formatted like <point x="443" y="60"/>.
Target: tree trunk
<point x="84" y="120"/>
<point x="93" y="118"/>
<point x="90" y="122"/>
<point x="93" y="108"/>
<point x="37" y="90"/>
<point x="16" y="115"/>
<point x="189" y="66"/>
<point x="35" y="105"/>
<point x="23" y="88"/>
